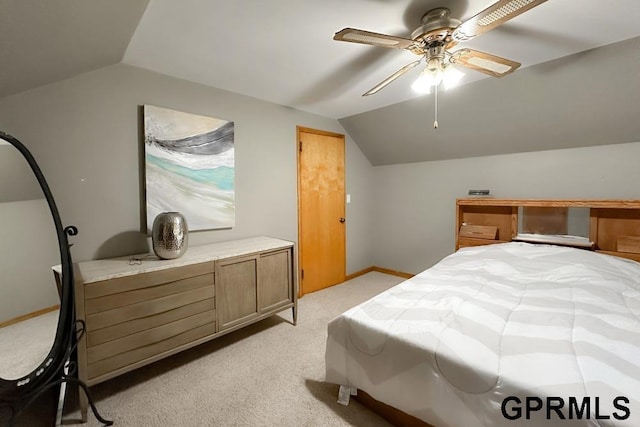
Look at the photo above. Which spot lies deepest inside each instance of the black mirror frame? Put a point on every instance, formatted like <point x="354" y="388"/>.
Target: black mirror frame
<point x="19" y="393"/>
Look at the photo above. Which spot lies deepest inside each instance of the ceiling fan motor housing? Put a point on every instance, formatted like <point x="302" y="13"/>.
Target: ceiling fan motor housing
<point x="437" y="27"/>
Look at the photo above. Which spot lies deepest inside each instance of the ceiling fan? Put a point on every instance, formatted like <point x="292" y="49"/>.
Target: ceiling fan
<point x="438" y="34"/>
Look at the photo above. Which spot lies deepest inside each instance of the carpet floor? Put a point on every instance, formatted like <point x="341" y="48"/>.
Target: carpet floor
<point x="24" y="345"/>
<point x="267" y="374"/>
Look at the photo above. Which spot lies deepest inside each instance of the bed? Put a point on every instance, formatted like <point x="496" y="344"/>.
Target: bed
<point x="507" y="333"/>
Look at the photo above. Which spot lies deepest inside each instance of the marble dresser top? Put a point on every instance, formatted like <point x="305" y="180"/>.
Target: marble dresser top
<point x="106" y="269"/>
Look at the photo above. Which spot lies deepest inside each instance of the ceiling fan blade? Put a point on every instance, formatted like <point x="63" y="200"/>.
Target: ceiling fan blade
<point x="484" y="62"/>
<point x="376" y="39"/>
<point x="391" y="78"/>
<point x="493" y="16"/>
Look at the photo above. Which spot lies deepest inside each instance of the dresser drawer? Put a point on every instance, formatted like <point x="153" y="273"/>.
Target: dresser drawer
<point x="174" y="295"/>
<point x="147" y="337"/>
<point x="126" y="299"/>
<point x="144" y="280"/>
<point x="143" y="321"/>
<point x="151" y="344"/>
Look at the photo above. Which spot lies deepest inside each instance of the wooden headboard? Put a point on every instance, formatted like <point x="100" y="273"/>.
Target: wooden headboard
<point x="614" y="225"/>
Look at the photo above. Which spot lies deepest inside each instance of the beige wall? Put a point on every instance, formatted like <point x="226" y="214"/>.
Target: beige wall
<point x="85" y="133"/>
<point x="415" y="203"/>
<point x="28" y="249"/>
<point x="28" y="241"/>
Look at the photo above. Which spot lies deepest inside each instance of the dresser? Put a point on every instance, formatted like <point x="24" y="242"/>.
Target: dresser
<point x="140" y="309"/>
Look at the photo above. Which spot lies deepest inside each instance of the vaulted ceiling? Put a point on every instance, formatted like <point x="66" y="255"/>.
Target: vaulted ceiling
<point x="578" y="84"/>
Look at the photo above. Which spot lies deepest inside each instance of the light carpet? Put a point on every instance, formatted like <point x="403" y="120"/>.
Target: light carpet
<point x="25" y="345"/>
<point x="267" y="374"/>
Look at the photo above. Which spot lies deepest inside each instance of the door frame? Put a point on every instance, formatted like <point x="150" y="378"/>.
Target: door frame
<point x="299" y="130"/>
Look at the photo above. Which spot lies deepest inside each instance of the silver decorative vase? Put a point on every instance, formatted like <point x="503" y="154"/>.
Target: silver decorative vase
<point x="170" y="235"/>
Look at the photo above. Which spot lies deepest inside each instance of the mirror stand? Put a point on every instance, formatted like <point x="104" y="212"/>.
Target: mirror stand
<point x="58" y="367"/>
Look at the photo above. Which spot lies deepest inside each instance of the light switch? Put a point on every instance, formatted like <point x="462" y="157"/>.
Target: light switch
<point x="348" y="198"/>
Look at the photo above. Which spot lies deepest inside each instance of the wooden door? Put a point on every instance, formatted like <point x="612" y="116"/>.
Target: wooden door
<point x="321" y="209"/>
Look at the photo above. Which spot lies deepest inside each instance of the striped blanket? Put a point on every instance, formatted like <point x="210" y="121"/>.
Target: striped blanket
<point x="501" y="335"/>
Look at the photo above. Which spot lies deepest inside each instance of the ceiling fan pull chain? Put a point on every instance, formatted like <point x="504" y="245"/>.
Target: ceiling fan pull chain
<point x="435" y="121"/>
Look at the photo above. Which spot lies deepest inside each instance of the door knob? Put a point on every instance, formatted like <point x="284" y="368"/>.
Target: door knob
<point x="342" y="220"/>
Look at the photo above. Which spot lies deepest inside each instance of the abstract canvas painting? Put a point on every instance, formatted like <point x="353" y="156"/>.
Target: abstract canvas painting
<point x="189" y="167"/>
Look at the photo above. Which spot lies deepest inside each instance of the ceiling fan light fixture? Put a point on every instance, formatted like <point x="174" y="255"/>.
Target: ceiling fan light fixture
<point x="451" y="76"/>
<point x="424" y="82"/>
<point x="432" y="76"/>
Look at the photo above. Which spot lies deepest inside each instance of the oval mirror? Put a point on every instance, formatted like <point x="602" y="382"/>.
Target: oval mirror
<point x="29" y="300"/>
<point x="36" y="312"/>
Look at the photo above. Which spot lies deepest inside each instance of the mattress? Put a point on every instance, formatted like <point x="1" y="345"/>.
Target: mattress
<point x="500" y="335"/>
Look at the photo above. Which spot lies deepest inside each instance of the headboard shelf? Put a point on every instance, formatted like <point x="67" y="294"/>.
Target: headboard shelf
<point x="552" y="203"/>
<point x="614" y="225"/>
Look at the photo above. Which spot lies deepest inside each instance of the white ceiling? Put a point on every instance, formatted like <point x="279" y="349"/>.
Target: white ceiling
<point x="282" y="51"/>
<point x="566" y="94"/>
<point x="45" y="41"/>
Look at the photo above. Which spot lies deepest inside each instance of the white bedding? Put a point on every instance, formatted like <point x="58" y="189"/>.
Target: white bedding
<point x="530" y="321"/>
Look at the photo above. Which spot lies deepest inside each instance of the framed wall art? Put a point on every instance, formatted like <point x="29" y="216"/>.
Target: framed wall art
<point x="189" y="168"/>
